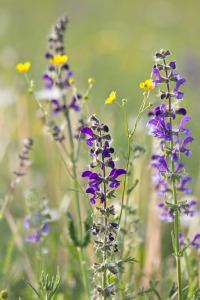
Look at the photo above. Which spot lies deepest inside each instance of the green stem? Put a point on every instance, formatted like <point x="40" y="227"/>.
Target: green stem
<point x="74" y="177"/>
<point x="176" y="218"/>
<point x="176" y="231"/>
<point x="81" y="252"/>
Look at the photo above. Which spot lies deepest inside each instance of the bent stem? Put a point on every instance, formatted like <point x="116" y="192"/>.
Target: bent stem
<point x="130" y="135"/>
<point x="76" y="183"/>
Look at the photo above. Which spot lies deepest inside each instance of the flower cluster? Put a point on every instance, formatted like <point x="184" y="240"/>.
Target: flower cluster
<point x="39" y="217"/>
<point x="101" y="152"/>
<point x="24" y="160"/>
<point x="171" y="178"/>
<point x="102" y="186"/>
<point x="58" y="74"/>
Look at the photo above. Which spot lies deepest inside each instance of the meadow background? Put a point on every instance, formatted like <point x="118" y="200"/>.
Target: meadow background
<point x="113" y="42"/>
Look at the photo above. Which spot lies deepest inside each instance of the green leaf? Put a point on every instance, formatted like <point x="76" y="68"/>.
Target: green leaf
<point x="30" y="285"/>
<point x="133" y="186"/>
<point x="154" y="290"/>
<point x="72" y="231"/>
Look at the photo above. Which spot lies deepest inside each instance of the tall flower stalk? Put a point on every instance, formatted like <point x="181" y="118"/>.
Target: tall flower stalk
<point x="171" y="176"/>
<point x="102" y="186"/>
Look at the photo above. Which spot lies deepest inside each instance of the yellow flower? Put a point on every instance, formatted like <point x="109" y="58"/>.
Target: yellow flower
<point x="147" y="85"/>
<point x="23" y="67"/>
<point x="91" y="80"/>
<point x="111" y="98"/>
<point x="59" y="59"/>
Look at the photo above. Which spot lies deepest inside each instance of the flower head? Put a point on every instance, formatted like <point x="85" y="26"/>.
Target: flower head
<point x="59" y="59"/>
<point x="23" y="67"/>
<point x="90" y="80"/>
<point x="147" y="85"/>
<point x="111" y="98"/>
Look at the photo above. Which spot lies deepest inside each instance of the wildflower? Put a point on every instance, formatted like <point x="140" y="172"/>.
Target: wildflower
<point x="147" y="85"/>
<point x="23" y="67"/>
<point x="49" y="79"/>
<point x="111" y="98"/>
<point x="59" y="59"/>
<point x="196" y="241"/>
<point x="90" y="80"/>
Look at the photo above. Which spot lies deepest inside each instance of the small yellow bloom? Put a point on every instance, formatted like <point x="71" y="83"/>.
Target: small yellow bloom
<point x="71" y="81"/>
<point x="23" y="67"/>
<point x="111" y="98"/>
<point x="59" y="59"/>
<point x="147" y="85"/>
<point x="91" y="80"/>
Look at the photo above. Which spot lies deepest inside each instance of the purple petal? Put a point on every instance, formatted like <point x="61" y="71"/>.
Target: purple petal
<point x="55" y="102"/>
<point x="27" y="222"/>
<point x="178" y="84"/>
<point x="86" y="174"/>
<point x="181" y="111"/>
<point x="186" y="141"/>
<point x="184" y="120"/>
<point x="94" y="176"/>
<point x="119" y="172"/>
<point x="113" y="172"/>
<point x="179" y="167"/>
<point x="45" y="228"/>
<point x="34" y="238"/>
<point x="88" y="131"/>
<point x="90" y="191"/>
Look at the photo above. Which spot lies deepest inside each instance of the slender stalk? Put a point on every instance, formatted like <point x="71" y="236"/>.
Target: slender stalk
<point x="176" y="218"/>
<point x="176" y="231"/>
<point x="105" y="223"/>
<point x="130" y="135"/>
<point x="76" y="183"/>
<point x="80" y="251"/>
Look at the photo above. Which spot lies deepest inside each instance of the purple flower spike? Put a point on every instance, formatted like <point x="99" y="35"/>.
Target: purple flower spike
<point x="49" y="85"/>
<point x="34" y="238"/>
<point x="177" y="93"/>
<point x="196" y="241"/>
<point x="88" y="131"/>
<point x="86" y="174"/>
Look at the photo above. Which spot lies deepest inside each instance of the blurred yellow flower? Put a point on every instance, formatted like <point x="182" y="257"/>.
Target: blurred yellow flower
<point x="111" y="98"/>
<point x="91" y="80"/>
<point x="147" y="85"/>
<point x="23" y="67"/>
<point x="59" y="59"/>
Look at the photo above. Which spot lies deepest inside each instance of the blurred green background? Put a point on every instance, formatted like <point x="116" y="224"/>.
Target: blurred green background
<point x="112" y="41"/>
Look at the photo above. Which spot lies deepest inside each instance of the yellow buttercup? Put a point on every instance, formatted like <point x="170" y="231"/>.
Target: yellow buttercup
<point x="23" y="67"/>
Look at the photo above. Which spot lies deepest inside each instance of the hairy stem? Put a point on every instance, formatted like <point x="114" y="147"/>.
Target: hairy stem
<point x="80" y="251"/>
<point x="176" y="219"/>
